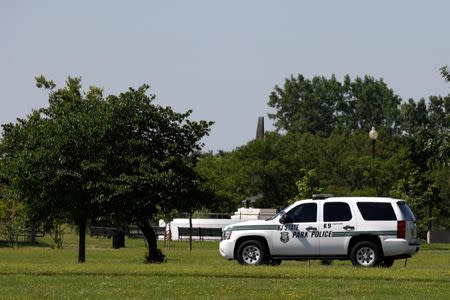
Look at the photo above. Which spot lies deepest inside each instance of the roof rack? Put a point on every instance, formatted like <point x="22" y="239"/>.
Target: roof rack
<point x="321" y="196"/>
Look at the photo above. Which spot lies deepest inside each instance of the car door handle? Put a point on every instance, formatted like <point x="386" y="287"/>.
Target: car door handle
<point x="310" y="228"/>
<point x="348" y="227"/>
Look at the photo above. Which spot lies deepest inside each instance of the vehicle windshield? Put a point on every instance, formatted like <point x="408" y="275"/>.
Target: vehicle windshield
<point x="276" y="215"/>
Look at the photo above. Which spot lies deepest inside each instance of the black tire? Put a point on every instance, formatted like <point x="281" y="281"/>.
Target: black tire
<point x="387" y="262"/>
<point x="251" y="253"/>
<point x="365" y="254"/>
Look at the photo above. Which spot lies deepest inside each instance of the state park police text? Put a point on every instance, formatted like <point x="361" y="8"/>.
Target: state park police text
<point x="296" y="233"/>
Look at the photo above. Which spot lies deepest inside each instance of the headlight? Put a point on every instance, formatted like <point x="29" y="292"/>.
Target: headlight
<point x="227" y="234"/>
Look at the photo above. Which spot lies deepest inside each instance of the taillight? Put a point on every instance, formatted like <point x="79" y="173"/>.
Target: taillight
<point x="401" y="229"/>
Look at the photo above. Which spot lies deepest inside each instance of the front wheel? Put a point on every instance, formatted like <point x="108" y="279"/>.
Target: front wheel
<point x="365" y="254"/>
<point x="251" y="253"/>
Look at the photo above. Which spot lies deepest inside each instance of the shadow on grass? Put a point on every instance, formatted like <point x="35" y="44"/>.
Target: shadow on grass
<point x="443" y="247"/>
<point x="226" y="276"/>
<point x="21" y="244"/>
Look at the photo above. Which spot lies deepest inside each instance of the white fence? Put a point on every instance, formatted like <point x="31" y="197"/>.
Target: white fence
<point x="203" y="223"/>
<point x="242" y="214"/>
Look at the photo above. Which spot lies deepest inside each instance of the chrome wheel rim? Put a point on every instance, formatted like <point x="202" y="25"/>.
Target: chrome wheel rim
<point x="251" y="255"/>
<point x="365" y="256"/>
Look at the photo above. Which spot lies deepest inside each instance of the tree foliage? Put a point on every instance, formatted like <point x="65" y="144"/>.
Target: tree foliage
<point x="342" y="164"/>
<point x="120" y="158"/>
<point x="260" y="167"/>
<point x="321" y="106"/>
<point x="445" y="73"/>
<point x="307" y="185"/>
<point x="13" y="216"/>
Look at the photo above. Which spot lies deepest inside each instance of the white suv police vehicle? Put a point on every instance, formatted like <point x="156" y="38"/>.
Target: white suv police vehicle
<point x="367" y="230"/>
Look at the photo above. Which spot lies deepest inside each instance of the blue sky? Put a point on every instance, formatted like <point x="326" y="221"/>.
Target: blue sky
<point x="219" y="58"/>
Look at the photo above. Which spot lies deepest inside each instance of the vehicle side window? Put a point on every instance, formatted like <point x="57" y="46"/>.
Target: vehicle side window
<point x="376" y="211"/>
<point x="336" y="211"/>
<point x="303" y="213"/>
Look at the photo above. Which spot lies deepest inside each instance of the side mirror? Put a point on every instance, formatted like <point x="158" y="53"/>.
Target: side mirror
<point x="283" y="219"/>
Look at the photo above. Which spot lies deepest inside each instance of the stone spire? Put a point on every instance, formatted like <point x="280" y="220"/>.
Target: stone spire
<point x="260" y="128"/>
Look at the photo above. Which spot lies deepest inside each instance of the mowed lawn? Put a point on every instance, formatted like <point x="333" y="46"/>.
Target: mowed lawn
<point x="39" y="272"/>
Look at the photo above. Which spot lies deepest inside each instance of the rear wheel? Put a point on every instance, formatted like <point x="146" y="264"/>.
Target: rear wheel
<point x="365" y="254"/>
<point x="251" y="253"/>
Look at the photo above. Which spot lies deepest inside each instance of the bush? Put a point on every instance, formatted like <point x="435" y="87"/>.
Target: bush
<point x="12" y="219"/>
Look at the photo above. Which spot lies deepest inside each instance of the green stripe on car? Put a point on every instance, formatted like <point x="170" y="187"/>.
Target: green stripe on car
<point x="255" y="227"/>
<point x="352" y="233"/>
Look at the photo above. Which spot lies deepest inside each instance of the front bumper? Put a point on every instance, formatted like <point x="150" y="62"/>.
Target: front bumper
<point x="226" y="249"/>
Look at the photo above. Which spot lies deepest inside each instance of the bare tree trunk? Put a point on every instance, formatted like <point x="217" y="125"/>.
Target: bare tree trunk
<point x="33" y="233"/>
<point x="154" y="255"/>
<point x="82" y="242"/>
<point x="170" y="235"/>
<point x="190" y="232"/>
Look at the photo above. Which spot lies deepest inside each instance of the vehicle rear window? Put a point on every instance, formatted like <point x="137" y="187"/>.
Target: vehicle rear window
<point x="376" y="211"/>
<point x="406" y="211"/>
<point x="336" y="211"/>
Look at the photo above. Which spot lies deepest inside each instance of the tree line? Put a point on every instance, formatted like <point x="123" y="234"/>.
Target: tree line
<point x="321" y="143"/>
<point x="122" y="159"/>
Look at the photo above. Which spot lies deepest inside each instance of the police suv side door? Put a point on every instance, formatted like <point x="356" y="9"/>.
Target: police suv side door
<point x="295" y="235"/>
<point x="338" y="224"/>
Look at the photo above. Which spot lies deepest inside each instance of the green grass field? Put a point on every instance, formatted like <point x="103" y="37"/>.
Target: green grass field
<point x="39" y="272"/>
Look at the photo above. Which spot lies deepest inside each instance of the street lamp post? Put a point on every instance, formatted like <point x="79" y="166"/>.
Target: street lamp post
<point x="434" y="193"/>
<point x="373" y="135"/>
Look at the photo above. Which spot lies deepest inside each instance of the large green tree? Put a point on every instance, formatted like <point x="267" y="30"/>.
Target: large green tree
<point x="306" y="105"/>
<point x="320" y="105"/>
<point x="54" y="154"/>
<point x="368" y="102"/>
<point x="150" y="163"/>
<point x="86" y="156"/>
